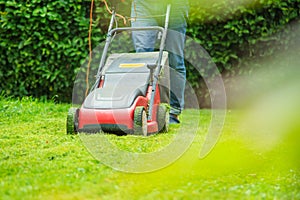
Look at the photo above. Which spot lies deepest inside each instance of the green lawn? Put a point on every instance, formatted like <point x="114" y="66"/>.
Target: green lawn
<point x="39" y="161"/>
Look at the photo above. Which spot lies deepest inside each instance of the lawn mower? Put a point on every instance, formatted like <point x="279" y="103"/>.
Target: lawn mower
<point x="131" y="91"/>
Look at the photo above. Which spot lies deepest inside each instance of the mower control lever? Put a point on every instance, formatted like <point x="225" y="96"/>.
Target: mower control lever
<point x="151" y="66"/>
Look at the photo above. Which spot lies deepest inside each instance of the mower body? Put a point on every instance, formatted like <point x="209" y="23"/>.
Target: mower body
<point x="125" y="86"/>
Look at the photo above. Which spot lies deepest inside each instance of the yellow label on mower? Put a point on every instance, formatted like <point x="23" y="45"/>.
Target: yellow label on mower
<point x="131" y="65"/>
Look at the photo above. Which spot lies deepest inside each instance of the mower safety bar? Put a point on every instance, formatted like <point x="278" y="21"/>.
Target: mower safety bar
<point x="148" y="28"/>
<point x="110" y="34"/>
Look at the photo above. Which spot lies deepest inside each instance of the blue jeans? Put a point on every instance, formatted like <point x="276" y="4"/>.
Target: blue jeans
<point x="144" y="41"/>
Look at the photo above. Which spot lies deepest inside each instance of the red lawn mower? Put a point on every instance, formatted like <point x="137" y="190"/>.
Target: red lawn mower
<point x="131" y="92"/>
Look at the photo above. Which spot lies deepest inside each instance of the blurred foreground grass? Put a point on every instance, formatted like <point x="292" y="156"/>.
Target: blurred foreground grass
<point x="38" y="161"/>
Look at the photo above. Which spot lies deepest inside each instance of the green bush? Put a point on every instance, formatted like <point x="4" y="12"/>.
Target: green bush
<point x="240" y="33"/>
<point x="43" y="43"/>
<point x="231" y="34"/>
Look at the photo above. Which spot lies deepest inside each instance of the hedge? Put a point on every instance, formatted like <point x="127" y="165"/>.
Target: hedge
<point x="241" y="33"/>
<point x="43" y="43"/>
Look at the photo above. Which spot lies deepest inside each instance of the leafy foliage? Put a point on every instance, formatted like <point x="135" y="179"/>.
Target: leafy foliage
<point x="244" y="31"/>
<point x="42" y="43"/>
<point x="234" y="35"/>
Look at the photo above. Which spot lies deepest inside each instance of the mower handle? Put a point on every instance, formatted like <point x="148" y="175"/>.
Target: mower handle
<point x="110" y="34"/>
<point x="112" y="31"/>
<point x="146" y="28"/>
<point x="109" y="37"/>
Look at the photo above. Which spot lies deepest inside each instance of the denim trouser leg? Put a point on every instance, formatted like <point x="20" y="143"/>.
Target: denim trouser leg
<point x="177" y="69"/>
<point x="144" y="41"/>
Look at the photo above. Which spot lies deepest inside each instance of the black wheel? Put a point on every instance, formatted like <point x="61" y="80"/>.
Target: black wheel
<point x="163" y="118"/>
<point x="72" y="121"/>
<point x="140" y="121"/>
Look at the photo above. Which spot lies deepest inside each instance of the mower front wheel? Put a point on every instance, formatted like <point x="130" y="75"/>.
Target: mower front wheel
<point x="163" y="118"/>
<point x="72" y="121"/>
<point x="140" y="121"/>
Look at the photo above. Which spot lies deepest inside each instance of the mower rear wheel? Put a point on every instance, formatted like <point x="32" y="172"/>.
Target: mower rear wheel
<point x="72" y="121"/>
<point x="163" y="118"/>
<point x="140" y="121"/>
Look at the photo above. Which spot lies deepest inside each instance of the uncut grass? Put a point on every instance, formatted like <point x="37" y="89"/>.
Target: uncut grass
<point x="37" y="160"/>
<point x="155" y="142"/>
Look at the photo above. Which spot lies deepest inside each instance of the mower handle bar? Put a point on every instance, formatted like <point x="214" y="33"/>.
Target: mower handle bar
<point x="111" y="32"/>
<point x="146" y="28"/>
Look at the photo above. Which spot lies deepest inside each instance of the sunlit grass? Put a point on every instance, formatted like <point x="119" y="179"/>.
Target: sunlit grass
<point x="38" y="160"/>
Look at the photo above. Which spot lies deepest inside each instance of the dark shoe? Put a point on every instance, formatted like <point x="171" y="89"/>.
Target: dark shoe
<point x="174" y="119"/>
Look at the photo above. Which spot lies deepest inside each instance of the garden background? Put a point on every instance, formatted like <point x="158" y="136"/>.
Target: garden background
<point x="43" y="44"/>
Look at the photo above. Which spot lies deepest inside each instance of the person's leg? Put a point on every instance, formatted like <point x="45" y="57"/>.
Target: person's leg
<point x="144" y="41"/>
<point x="177" y="70"/>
